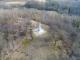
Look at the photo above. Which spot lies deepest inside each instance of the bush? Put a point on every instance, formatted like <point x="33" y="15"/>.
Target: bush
<point x="76" y="24"/>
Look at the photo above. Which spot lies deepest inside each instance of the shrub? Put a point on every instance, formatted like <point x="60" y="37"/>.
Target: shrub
<point x="76" y="24"/>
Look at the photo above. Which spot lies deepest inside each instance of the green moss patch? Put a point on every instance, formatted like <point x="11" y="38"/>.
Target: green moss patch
<point x="26" y="42"/>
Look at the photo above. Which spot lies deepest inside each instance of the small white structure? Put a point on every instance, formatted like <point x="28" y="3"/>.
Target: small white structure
<point x="39" y="30"/>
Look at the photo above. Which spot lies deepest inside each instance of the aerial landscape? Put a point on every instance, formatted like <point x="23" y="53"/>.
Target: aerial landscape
<point x="39" y="29"/>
